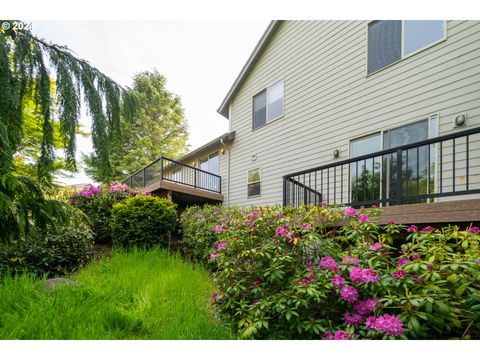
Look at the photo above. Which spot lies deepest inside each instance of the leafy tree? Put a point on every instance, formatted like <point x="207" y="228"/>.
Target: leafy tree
<point x="29" y="151"/>
<point x="158" y="129"/>
<point x="25" y="61"/>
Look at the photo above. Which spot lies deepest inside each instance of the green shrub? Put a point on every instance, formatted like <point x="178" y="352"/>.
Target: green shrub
<point x="197" y="228"/>
<point x="53" y="253"/>
<point x="286" y="273"/>
<point x="143" y="221"/>
<point x="96" y="203"/>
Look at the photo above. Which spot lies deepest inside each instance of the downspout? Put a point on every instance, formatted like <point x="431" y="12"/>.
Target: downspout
<point x="226" y="148"/>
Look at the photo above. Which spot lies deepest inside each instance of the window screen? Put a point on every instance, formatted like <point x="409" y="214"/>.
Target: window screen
<point x="260" y="109"/>
<point x="253" y="183"/>
<point x="384" y="43"/>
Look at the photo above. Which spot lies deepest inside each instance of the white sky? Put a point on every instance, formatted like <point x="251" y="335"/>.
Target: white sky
<point x="200" y="59"/>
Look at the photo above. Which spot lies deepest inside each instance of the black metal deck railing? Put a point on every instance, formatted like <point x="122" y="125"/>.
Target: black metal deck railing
<point x="165" y="169"/>
<point x="447" y="165"/>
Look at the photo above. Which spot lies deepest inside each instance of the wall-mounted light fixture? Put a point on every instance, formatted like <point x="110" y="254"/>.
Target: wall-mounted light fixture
<point x="459" y="120"/>
<point x="336" y="153"/>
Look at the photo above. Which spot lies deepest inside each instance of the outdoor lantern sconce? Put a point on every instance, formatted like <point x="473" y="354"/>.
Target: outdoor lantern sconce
<point x="459" y="120"/>
<point x="336" y="153"/>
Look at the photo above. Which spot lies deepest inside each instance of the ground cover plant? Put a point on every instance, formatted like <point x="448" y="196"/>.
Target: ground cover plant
<point x="132" y="295"/>
<point x="285" y="273"/>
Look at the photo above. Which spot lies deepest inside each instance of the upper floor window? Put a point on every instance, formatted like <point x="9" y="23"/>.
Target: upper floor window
<point x="392" y="40"/>
<point x="268" y="105"/>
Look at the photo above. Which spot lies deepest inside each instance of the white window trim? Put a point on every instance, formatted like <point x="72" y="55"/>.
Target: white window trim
<point x="403" y="56"/>
<point x="259" y="181"/>
<point x="266" y="104"/>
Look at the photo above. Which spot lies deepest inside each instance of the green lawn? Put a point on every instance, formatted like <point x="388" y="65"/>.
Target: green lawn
<point x="134" y="295"/>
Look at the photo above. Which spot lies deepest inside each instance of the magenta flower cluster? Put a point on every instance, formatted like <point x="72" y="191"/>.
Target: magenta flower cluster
<point x="338" y="281"/>
<point x="375" y="246"/>
<point x="349" y="294"/>
<point x="89" y="191"/>
<point x="338" y="335"/>
<point x="220" y="246"/>
<point x="385" y="324"/>
<point x="412" y="228"/>
<point x="328" y="263"/>
<point x="474" y="230"/>
<point x="365" y="307"/>
<point x="359" y="275"/>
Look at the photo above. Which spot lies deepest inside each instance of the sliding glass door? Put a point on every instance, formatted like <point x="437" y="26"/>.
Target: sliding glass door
<point x="374" y="179"/>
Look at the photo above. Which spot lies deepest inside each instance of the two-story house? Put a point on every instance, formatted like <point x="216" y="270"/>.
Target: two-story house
<point x="355" y="112"/>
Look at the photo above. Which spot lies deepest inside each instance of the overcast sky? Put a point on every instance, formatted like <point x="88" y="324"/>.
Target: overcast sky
<point x="200" y="59"/>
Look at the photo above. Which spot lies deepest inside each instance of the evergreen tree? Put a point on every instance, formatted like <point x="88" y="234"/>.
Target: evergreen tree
<point x="158" y="129"/>
<point x="25" y="61"/>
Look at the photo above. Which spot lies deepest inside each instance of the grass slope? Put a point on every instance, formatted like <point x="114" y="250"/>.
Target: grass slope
<point x="134" y="295"/>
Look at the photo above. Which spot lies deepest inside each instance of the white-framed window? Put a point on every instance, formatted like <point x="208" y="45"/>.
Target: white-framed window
<point x="253" y="182"/>
<point x="268" y="105"/>
<point x="392" y="40"/>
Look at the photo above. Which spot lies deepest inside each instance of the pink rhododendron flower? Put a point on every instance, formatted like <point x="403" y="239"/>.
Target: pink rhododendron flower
<point x="328" y="335"/>
<point x="415" y="256"/>
<point x="375" y="246"/>
<point x="254" y="214"/>
<point x="73" y="202"/>
<point x="365" y="307"/>
<point x="213" y="255"/>
<point x="364" y="218"/>
<point x="428" y="229"/>
<point x="402" y="261"/>
<point x="349" y="294"/>
<point x="350" y="212"/>
<point x="370" y="322"/>
<point x="307" y="226"/>
<point x="218" y="228"/>
<point x="281" y="230"/>
<point x="350" y="260"/>
<point x="400" y="274"/>
<point x="310" y="266"/>
<point x="338" y="281"/>
<point x="221" y="245"/>
<point x="358" y="275"/>
<point x="352" y="319"/>
<point x="389" y="325"/>
<point x="328" y="263"/>
<point x="412" y="228"/>
<point x="474" y="230"/>
<point x="341" y="335"/>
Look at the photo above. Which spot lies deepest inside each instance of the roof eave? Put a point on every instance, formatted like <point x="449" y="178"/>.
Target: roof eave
<point x="223" y="109"/>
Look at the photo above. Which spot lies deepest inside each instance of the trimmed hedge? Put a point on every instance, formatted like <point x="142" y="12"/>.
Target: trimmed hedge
<point x="143" y="221"/>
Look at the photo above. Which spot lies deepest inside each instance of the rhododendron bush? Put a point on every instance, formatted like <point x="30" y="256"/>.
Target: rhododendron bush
<point x="285" y="273"/>
<point x="97" y="201"/>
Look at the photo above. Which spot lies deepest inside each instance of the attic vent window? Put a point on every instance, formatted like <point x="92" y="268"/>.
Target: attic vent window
<point x="268" y="105"/>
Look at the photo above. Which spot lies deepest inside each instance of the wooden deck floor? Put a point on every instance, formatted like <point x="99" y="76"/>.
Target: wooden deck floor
<point x="452" y="212"/>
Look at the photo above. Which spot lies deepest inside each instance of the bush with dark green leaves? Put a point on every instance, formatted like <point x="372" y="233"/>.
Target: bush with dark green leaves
<point x="143" y="221"/>
<point x="53" y="253"/>
<point x="96" y="203"/>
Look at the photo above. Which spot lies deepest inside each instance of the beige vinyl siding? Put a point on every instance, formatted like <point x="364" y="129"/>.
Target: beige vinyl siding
<point x="329" y="99"/>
